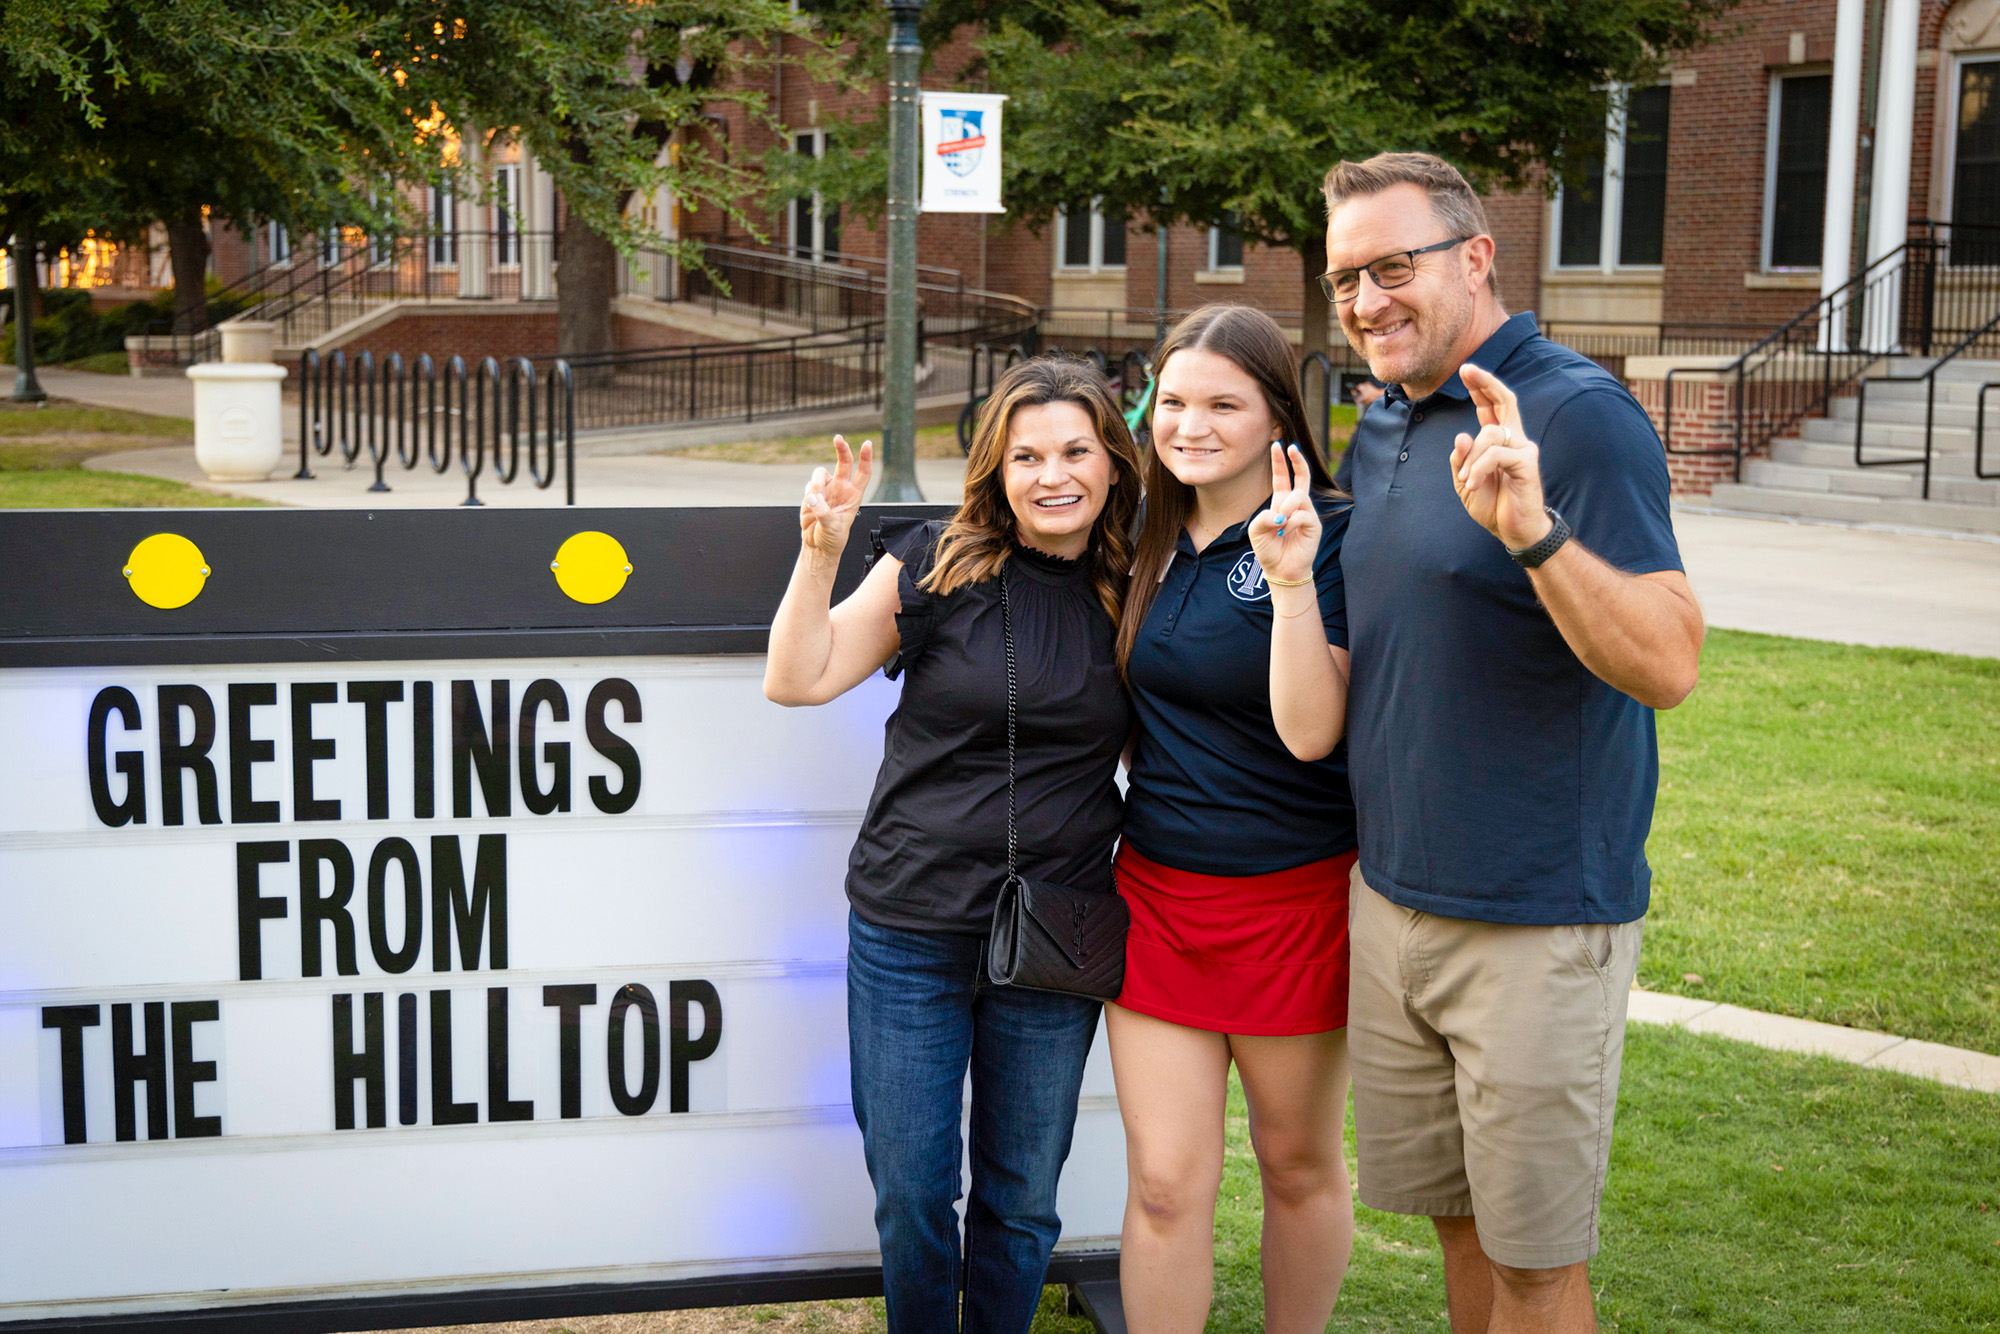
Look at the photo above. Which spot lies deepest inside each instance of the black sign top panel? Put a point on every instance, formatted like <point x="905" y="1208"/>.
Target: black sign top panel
<point x="331" y="585"/>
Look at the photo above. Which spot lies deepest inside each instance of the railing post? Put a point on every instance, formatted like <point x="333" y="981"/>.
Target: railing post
<point x="309" y="410"/>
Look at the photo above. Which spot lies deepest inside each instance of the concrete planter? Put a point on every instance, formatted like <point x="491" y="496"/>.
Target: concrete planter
<point x="237" y="419"/>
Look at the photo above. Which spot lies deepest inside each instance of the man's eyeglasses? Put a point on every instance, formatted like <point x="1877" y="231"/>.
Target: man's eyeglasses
<point x="1343" y="285"/>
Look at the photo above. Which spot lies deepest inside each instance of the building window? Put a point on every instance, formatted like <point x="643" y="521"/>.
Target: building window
<point x="1091" y="238"/>
<point x="1975" y="168"/>
<point x="506" y="227"/>
<point x="1795" y="171"/>
<point x="277" y="243"/>
<point x="1617" y="218"/>
<point x="1225" y="243"/>
<point x="444" y="225"/>
<point x="329" y="248"/>
<point x="815" y="224"/>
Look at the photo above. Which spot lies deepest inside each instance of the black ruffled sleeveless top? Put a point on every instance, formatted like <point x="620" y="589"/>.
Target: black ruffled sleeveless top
<point x="933" y="845"/>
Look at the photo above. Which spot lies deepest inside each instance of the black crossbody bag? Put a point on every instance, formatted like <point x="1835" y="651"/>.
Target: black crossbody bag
<point x="1050" y="937"/>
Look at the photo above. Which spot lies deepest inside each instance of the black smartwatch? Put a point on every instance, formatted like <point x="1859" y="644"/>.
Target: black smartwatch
<point x="1530" y="557"/>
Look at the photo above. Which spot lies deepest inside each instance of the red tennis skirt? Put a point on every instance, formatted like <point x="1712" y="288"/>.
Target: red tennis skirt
<point x="1259" y="955"/>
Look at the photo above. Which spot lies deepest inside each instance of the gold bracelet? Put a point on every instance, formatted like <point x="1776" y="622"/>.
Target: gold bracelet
<point x="1276" y="582"/>
<point x="1294" y="615"/>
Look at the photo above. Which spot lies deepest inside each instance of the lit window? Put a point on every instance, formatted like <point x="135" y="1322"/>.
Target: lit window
<point x="506" y="227"/>
<point x="277" y="243"/>
<point x="444" y="225"/>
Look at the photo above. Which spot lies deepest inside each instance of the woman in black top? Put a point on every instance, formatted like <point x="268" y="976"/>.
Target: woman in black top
<point x="1051" y="489"/>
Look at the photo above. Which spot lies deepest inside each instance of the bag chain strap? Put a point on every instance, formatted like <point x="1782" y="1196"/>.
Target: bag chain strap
<point x="1013" y="708"/>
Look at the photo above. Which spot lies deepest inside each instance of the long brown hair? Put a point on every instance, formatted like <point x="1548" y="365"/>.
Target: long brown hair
<point x="980" y="536"/>
<point x="1254" y="342"/>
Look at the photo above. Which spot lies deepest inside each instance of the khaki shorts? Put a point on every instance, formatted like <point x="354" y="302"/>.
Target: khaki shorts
<point x="1485" y="1062"/>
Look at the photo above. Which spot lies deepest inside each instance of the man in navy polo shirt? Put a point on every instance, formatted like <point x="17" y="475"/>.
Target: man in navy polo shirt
<point x="1517" y="610"/>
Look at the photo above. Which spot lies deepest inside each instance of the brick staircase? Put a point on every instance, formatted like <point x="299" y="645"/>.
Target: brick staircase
<point x="1811" y="474"/>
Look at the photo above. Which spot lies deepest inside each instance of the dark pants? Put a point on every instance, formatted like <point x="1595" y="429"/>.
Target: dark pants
<point x="918" y="1014"/>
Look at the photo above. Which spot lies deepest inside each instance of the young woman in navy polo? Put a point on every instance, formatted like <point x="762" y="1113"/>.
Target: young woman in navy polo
<point x="1239" y="832"/>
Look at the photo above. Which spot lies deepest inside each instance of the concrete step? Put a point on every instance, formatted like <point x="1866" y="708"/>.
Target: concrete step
<point x="1821" y="454"/>
<point x="1941" y="515"/>
<point x="1959" y="368"/>
<point x="1898" y="435"/>
<point x="1961" y="393"/>
<point x="1894" y="483"/>
<point x="1911" y="411"/>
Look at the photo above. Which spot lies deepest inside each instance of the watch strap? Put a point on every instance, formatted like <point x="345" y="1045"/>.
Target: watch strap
<point x="1529" y="558"/>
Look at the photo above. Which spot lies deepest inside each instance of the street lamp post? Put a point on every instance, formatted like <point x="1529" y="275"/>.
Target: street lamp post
<point x="899" y="387"/>
<point x="27" y="389"/>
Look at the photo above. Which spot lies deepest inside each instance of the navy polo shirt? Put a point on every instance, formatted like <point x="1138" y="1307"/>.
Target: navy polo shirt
<point x="1213" y="789"/>
<point x="1496" y="778"/>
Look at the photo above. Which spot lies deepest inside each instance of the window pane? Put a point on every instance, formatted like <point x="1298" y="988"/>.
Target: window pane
<point x="1114" y="240"/>
<point x="830" y="231"/>
<point x="1076" y="236"/>
<point x="1975" y="194"/>
<point x="1228" y="243"/>
<point x="1583" y="219"/>
<point x="1798" y="204"/>
<point x="1642" y="228"/>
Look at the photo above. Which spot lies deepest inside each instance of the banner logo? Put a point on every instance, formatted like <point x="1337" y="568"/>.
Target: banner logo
<point x="961" y="143"/>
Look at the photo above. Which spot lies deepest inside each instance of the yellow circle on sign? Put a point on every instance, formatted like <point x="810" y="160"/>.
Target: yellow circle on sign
<point x="166" y="571"/>
<point x="591" y="567"/>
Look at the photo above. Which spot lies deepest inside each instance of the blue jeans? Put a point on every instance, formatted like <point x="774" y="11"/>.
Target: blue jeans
<point x="919" y="1011"/>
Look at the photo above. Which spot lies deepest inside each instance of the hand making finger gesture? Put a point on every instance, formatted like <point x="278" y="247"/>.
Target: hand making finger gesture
<point x="1498" y="474"/>
<point x="828" y="511"/>
<point x="1286" y="536"/>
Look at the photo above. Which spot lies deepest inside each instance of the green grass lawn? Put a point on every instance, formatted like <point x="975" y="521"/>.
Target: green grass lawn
<point x="933" y="442"/>
<point x="1826" y="837"/>
<point x="1749" y="1191"/>
<point x="42" y="452"/>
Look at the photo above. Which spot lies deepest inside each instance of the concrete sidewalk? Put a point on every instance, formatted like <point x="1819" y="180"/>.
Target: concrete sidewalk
<point x="1852" y="585"/>
<point x="1878" y="1051"/>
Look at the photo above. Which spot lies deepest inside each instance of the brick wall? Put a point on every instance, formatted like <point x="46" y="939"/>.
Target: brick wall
<point x="1516" y="217"/>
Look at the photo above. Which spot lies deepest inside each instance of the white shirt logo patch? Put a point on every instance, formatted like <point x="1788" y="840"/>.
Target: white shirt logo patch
<point x="1246" y="581"/>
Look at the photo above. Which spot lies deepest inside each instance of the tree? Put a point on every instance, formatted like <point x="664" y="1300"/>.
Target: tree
<point x="309" y="112"/>
<point x="1185" y="110"/>
<point x="604" y="94"/>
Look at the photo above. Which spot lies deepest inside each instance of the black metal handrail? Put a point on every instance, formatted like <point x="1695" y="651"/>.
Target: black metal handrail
<point x="417" y="415"/>
<point x="779" y="376"/>
<point x="1971" y="260"/>
<point x="1771" y="366"/>
<point x="1979" y="436"/>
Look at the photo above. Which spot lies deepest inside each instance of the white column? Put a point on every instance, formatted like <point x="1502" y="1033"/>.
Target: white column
<point x="666" y="273"/>
<point x="1837" y="234"/>
<point x="538" y="224"/>
<point x="1895" y="132"/>
<point x="474" y="256"/>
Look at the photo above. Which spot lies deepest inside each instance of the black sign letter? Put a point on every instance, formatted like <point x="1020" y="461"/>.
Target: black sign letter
<point x="556" y="753"/>
<point x="473" y="748"/>
<point x="307" y="748"/>
<point x="192" y="755"/>
<point x="252" y="907"/>
<point x="682" y="1050"/>
<point x="629" y="995"/>
<point x="375" y="697"/>
<point x="245" y="751"/>
<point x="72" y="1020"/>
<point x="129" y="1068"/>
<point x="403" y="957"/>
<point x="612" y="746"/>
<point x="445" y="1112"/>
<point x="188" y="1071"/>
<point x="570" y="1001"/>
<point x="315" y="908"/>
<point x="366" y="1064"/>
<point x="448" y="901"/>
<point x="131" y="763"/>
